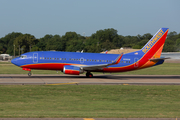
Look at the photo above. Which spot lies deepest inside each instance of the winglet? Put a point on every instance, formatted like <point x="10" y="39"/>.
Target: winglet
<point x="118" y="59"/>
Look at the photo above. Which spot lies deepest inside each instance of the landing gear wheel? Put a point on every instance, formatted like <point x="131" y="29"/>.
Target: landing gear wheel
<point x="29" y="74"/>
<point x="89" y="75"/>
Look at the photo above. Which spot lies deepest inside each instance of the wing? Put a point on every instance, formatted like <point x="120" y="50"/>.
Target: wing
<point x="101" y="66"/>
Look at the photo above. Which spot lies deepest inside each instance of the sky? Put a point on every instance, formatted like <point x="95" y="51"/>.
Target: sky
<point x="85" y="17"/>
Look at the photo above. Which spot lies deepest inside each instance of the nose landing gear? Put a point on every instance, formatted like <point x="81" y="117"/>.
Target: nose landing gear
<point x="27" y="69"/>
<point x="29" y="74"/>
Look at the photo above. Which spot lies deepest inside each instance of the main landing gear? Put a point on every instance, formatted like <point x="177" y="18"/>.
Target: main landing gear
<point x="89" y="75"/>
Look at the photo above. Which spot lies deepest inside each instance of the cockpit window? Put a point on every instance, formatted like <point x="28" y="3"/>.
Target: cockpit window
<point x="23" y="56"/>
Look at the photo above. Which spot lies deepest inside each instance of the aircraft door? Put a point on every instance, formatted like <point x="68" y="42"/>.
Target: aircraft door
<point x="136" y="64"/>
<point x="35" y="58"/>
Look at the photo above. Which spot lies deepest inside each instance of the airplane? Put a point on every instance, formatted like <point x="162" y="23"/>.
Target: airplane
<point x="75" y="63"/>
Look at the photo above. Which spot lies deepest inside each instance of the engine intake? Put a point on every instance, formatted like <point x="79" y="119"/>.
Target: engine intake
<point x="72" y="70"/>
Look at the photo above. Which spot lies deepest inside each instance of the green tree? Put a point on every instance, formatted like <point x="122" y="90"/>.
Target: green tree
<point x="7" y="45"/>
<point x="24" y="41"/>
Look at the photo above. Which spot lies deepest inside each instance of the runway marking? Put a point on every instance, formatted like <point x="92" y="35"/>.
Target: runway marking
<point x="125" y="84"/>
<point x="63" y="83"/>
<point x="88" y="119"/>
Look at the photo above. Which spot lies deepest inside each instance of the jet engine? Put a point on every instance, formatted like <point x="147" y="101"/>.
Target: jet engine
<point x="72" y="70"/>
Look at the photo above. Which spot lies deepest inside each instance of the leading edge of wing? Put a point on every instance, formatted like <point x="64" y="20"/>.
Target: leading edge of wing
<point x="100" y="66"/>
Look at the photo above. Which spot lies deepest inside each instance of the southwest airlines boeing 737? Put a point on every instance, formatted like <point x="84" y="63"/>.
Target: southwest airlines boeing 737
<point x="76" y="63"/>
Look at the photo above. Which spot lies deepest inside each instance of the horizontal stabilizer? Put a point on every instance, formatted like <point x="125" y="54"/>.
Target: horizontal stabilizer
<point x="158" y="59"/>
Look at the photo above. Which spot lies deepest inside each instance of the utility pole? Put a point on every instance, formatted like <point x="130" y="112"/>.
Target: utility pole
<point x="19" y="50"/>
<point x="14" y="51"/>
<point x="30" y="48"/>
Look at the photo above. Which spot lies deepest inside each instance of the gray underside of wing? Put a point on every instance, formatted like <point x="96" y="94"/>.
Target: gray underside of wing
<point x="94" y="67"/>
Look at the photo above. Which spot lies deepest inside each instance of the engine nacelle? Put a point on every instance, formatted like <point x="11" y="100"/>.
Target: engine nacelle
<point x="72" y="70"/>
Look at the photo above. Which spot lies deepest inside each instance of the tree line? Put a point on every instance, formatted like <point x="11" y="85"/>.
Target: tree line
<point x="100" y="41"/>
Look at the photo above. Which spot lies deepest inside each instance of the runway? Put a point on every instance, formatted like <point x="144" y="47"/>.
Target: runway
<point x="103" y="79"/>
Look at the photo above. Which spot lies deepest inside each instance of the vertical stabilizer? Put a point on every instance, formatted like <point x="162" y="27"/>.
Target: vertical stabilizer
<point x="155" y="44"/>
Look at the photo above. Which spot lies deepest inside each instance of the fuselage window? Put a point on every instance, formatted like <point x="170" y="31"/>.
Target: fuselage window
<point x="97" y="60"/>
<point x="87" y="59"/>
<point x="92" y="60"/>
<point x="55" y="58"/>
<point x="52" y="58"/>
<point x="43" y="58"/>
<point x="77" y="59"/>
<point x="84" y="59"/>
<point x="47" y="58"/>
<point x="102" y="60"/>
<point x="64" y="58"/>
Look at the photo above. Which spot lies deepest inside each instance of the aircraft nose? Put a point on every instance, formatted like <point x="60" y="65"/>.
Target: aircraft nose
<point x="13" y="61"/>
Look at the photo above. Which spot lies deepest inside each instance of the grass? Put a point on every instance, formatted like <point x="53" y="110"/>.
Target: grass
<point x="164" y="69"/>
<point x="97" y="101"/>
